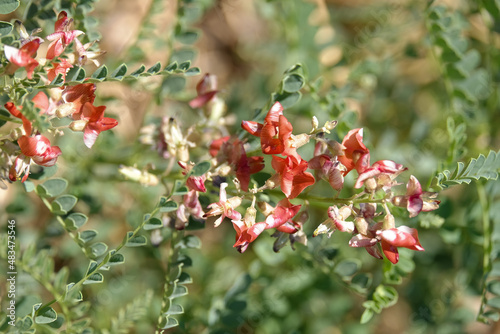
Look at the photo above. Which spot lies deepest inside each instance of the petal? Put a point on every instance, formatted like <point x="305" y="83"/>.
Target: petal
<point x="390" y="252"/>
<point x="414" y="205"/>
<point x="274" y="113"/>
<point x="413" y="187"/>
<point x="90" y="136"/>
<point x="201" y="100"/>
<point x="251" y="127"/>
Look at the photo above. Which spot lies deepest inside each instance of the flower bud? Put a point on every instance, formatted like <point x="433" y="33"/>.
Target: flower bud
<point x="330" y="125"/>
<point x="265" y="208"/>
<point x="371" y="185"/>
<point x="300" y="140"/>
<point x="361" y="225"/>
<point x="388" y="222"/>
<point x="78" y="126"/>
<point x="65" y="109"/>
<point x="314" y="123"/>
<point x="250" y="215"/>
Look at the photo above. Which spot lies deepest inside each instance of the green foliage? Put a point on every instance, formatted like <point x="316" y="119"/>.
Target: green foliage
<point x="8" y="6"/>
<point x="477" y="168"/>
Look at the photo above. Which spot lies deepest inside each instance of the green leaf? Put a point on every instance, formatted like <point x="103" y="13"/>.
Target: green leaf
<point x="385" y="295"/>
<point x="101" y="73"/>
<point x="74" y="221"/>
<point x="73" y="294"/>
<point x="24" y="324"/>
<point x="347" y="268"/>
<point x="494" y="287"/>
<point x="155" y="68"/>
<point x="63" y="204"/>
<point x="166" y="205"/>
<point x="173" y="84"/>
<point x="137" y="72"/>
<point x="185" y="278"/>
<point x="293" y="83"/>
<point x="153" y="223"/>
<point x="178" y="291"/>
<point x="95" y="278"/>
<point x="52" y="187"/>
<point x="5" y="28"/>
<point x="187" y="37"/>
<point x="192" y="71"/>
<point x="58" y="81"/>
<point x="175" y="309"/>
<point x="86" y="236"/>
<point x="29" y="186"/>
<point x="361" y="282"/>
<point x="179" y="188"/>
<point x="120" y="72"/>
<point x="366" y="316"/>
<point x="135" y="241"/>
<point x="200" y="168"/>
<point x="116" y="259"/>
<point x="8" y="6"/>
<point x="44" y="315"/>
<point x="171" y="67"/>
<point x="75" y="74"/>
<point x="184" y="66"/>
<point x="190" y="241"/>
<point x="168" y="322"/>
<point x="287" y="99"/>
<point x="98" y="249"/>
<point x="481" y="168"/>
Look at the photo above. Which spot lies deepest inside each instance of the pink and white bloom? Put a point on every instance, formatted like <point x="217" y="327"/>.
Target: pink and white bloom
<point x="196" y="183"/>
<point x="415" y="199"/>
<point x="225" y="207"/>
<point x="379" y="168"/>
<point x="22" y="57"/>
<point x="62" y="36"/>
<point x="393" y="238"/>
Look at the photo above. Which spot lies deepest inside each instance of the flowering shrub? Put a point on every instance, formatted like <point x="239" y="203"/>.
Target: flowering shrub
<point x="185" y="150"/>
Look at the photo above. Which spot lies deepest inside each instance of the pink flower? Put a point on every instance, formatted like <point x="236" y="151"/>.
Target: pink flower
<point x="292" y="174"/>
<point x="356" y="155"/>
<point x="38" y="148"/>
<point x="16" y="113"/>
<point x="382" y="167"/>
<point x="62" y="36"/>
<point x="78" y="95"/>
<point x="225" y="207"/>
<point x="206" y="89"/>
<point x="328" y="168"/>
<point x="402" y="236"/>
<point x="415" y="199"/>
<point x="233" y="152"/>
<point x="336" y="221"/>
<point x="196" y="183"/>
<point x="22" y="57"/>
<point x="61" y="67"/>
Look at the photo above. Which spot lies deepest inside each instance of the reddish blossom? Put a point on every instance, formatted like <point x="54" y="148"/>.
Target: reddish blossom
<point x="328" y="168"/>
<point x="415" y="199"/>
<point x="248" y="231"/>
<point x="196" y="183"/>
<point x="78" y="95"/>
<point x="38" y="148"/>
<point x="356" y="155"/>
<point x="61" y="67"/>
<point x="22" y="57"/>
<point x="16" y="113"/>
<point x="275" y="133"/>
<point x="206" y="89"/>
<point x="62" y="36"/>
<point x="96" y="123"/>
<point x="402" y="236"/>
<point x="382" y="167"/>
<point x="233" y="152"/>
<point x="293" y="178"/>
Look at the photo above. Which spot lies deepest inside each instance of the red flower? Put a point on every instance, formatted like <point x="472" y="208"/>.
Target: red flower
<point x="59" y="68"/>
<point x="78" y="95"/>
<point x="62" y="36"/>
<point x="96" y="123"/>
<point x="248" y="231"/>
<point x="415" y="199"/>
<point x="275" y="133"/>
<point x="382" y="167"/>
<point x="233" y="152"/>
<point x="402" y="236"/>
<point x="356" y="155"/>
<point x="206" y="89"/>
<point x="292" y="175"/>
<point x="39" y="150"/>
<point x="22" y="57"/>
<point x="16" y="113"/>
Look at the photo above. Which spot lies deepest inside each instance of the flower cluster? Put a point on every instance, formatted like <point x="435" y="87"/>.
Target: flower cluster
<point x="75" y="102"/>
